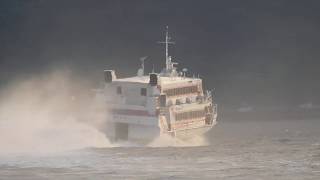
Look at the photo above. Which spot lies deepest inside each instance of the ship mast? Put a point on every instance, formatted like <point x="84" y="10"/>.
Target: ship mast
<point x="167" y="42"/>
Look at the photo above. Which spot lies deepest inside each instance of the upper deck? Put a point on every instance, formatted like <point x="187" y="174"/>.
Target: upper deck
<point x="134" y="79"/>
<point x="171" y="83"/>
<point x="162" y="80"/>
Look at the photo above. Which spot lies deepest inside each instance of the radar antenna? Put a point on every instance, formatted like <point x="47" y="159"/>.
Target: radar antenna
<point x="184" y="70"/>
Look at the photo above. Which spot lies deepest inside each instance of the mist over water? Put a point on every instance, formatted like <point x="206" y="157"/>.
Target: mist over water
<point x="48" y="113"/>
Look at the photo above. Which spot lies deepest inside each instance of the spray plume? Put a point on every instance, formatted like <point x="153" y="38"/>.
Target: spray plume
<point x="48" y="113"/>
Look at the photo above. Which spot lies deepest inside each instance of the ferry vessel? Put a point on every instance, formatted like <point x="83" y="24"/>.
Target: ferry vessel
<point x="143" y="107"/>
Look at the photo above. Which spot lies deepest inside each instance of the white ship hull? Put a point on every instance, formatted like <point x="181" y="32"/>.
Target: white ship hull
<point x="143" y="107"/>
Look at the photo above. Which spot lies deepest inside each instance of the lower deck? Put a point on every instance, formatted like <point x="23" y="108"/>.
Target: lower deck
<point x="145" y="133"/>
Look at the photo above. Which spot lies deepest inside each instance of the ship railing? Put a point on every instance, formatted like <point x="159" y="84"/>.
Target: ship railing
<point x="203" y="100"/>
<point x="215" y="108"/>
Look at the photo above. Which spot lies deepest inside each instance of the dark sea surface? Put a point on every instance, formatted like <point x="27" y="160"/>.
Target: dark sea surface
<point x="238" y="150"/>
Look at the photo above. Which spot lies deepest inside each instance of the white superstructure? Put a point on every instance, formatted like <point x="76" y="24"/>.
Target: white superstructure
<point x="142" y="107"/>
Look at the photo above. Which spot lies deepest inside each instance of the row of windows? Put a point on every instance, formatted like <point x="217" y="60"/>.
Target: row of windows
<point x="190" y="115"/>
<point x="168" y="92"/>
<point x="180" y="91"/>
<point x="143" y="91"/>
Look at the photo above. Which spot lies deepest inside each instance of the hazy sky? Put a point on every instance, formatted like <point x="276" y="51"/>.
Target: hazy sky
<point x="262" y="53"/>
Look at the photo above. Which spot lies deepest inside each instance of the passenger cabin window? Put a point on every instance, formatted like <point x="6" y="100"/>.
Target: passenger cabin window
<point x="181" y="91"/>
<point x="190" y="115"/>
<point x="119" y="90"/>
<point x="143" y="92"/>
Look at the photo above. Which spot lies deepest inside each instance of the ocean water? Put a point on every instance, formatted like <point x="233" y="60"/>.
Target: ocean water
<point x="236" y="150"/>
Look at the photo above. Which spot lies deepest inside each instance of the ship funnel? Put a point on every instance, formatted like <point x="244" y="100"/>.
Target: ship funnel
<point x="153" y="79"/>
<point x="109" y="76"/>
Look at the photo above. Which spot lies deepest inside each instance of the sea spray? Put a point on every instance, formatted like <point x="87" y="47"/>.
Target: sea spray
<point x="165" y="140"/>
<point x="48" y="113"/>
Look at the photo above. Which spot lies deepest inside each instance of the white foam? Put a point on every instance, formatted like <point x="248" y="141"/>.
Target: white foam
<point x="165" y="140"/>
